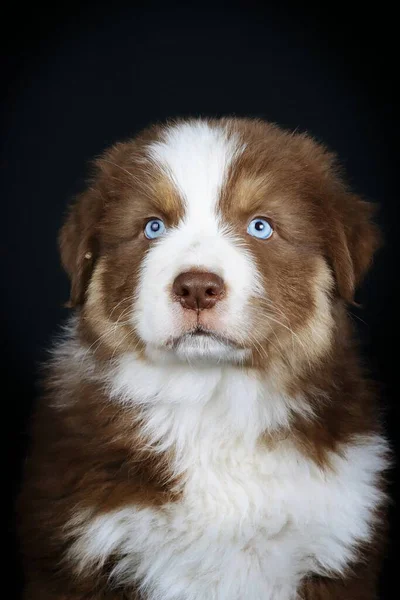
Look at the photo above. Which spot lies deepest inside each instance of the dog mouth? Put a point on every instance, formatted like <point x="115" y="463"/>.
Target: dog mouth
<point x="207" y="347"/>
<point x="200" y="335"/>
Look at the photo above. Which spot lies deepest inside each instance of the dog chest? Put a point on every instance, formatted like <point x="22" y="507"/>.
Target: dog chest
<point x="247" y="525"/>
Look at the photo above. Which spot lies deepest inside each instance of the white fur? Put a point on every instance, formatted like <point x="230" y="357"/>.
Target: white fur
<point x="252" y="520"/>
<point x="196" y="158"/>
<point x="245" y="401"/>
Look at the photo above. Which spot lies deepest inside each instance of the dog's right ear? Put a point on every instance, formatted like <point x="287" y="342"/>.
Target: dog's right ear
<point x="78" y="244"/>
<point x="79" y="237"/>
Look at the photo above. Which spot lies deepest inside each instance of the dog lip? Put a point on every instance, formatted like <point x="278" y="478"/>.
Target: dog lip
<point x="206" y="333"/>
<point x="201" y="331"/>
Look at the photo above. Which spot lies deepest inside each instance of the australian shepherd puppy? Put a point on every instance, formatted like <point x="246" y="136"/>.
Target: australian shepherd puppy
<point x="205" y="431"/>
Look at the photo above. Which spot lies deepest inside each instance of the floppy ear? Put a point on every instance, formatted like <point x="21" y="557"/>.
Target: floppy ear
<point x="353" y="240"/>
<point x="78" y="244"/>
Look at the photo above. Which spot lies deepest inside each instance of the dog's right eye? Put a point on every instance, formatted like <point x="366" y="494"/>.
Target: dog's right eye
<point x="154" y="228"/>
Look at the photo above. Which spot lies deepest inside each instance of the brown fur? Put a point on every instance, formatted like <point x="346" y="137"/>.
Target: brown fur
<point x="91" y="453"/>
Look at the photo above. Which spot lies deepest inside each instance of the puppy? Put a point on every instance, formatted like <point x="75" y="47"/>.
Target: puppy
<point x="205" y="431"/>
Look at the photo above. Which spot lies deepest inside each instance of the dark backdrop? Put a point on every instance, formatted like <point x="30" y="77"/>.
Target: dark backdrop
<point x="78" y="77"/>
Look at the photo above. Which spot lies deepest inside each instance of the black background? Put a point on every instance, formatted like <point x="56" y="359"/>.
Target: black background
<point x="78" y="77"/>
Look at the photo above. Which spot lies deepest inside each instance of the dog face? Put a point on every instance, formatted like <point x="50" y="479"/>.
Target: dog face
<point x="224" y="241"/>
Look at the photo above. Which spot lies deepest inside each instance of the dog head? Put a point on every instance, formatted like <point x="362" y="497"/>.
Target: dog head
<point x="215" y="241"/>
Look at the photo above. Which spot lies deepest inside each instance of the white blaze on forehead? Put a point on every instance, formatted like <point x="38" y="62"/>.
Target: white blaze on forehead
<point x="197" y="157"/>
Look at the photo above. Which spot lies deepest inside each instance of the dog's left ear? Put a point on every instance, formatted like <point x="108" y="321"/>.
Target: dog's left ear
<point x="353" y="239"/>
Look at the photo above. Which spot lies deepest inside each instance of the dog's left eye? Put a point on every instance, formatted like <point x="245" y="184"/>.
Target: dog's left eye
<point x="260" y="228"/>
<point x="154" y="229"/>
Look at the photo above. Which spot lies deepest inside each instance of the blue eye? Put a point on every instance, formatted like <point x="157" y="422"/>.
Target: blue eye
<point x="154" y="229"/>
<point x="260" y="228"/>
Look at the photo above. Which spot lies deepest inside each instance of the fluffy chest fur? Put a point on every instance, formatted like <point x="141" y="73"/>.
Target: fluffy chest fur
<point x="252" y="518"/>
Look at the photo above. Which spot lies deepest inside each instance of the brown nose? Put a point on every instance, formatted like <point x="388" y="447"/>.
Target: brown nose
<point x="198" y="291"/>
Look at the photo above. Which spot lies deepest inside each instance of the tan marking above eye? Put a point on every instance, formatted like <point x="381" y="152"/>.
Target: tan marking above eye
<point x="166" y="199"/>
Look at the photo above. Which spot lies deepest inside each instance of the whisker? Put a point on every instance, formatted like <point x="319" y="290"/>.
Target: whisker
<point x="131" y="297"/>
<point x="294" y="335"/>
